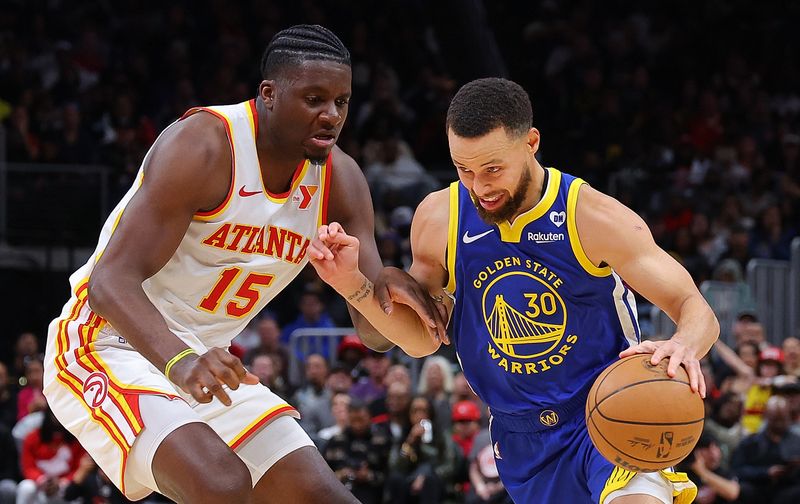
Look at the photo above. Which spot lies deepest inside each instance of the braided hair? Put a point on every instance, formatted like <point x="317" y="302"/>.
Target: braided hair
<point x="302" y="43"/>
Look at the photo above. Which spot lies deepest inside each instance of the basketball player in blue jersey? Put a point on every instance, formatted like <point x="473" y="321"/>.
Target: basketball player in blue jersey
<point x="537" y="270"/>
<point x="218" y="221"/>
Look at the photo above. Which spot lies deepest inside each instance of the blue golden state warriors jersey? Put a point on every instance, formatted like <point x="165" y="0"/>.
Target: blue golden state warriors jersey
<point x="534" y="321"/>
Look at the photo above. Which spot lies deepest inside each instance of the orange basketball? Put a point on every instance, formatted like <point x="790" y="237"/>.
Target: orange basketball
<point x="641" y="419"/>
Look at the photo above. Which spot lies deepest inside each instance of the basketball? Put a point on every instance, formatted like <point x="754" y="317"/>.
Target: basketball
<point x="639" y="418"/>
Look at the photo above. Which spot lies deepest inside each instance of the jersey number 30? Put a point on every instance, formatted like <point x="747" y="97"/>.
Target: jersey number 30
<point x="246" y="297"/>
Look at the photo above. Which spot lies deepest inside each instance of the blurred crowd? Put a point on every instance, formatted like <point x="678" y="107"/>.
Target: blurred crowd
<point x="689" y="113"/>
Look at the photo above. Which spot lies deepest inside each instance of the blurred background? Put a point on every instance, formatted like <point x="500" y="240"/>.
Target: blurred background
<point x="688" y="112"/>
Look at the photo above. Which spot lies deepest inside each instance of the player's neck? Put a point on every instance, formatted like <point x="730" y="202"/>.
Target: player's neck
<point x="535" y="189"/>
<point x="277" y="168"/>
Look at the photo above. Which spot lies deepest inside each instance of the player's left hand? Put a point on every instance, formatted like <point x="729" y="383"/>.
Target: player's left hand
<point x="678" y="353"/>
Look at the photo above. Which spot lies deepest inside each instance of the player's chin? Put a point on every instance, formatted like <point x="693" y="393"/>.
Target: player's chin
<point x="317" y="154"/>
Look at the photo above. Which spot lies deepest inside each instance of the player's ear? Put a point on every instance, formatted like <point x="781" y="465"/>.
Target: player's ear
<point x="533" y="140"/>
<point x="266" y="90"/>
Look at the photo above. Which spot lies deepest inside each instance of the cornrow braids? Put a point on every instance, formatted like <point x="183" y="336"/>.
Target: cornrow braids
<point x="302" y="43"/>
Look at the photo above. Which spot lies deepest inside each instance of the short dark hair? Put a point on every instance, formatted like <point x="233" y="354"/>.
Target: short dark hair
<point x="482" y="105"/>
<point x="357" y="405"/>
<point x="301" y="43"/>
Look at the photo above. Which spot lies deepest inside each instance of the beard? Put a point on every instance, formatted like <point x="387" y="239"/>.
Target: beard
<point x="318" y="158"/>
<point x="505" y="212"/>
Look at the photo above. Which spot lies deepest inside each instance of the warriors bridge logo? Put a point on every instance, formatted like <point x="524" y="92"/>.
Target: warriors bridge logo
<point x="525" y="316"/>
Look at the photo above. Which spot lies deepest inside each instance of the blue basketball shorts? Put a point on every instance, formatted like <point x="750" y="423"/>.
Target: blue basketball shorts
<point x="557" y="463"/>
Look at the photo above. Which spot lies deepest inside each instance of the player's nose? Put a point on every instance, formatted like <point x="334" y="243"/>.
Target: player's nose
<point x="331" y="116"/>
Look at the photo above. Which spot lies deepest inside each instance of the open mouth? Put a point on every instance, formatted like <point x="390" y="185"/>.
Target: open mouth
<point x="491" y="202"/>
<point x="323" y="140"/>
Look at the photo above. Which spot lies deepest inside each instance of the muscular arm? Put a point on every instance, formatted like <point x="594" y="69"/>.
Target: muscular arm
<point x="613" y="234"/>
<point x="350" y="204"/>
<point x="188" y="170"/>
<point x="403" y="326"/>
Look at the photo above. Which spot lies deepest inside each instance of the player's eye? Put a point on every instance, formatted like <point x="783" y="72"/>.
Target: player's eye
<point x="341" y="102"/>
<point x="493" y="169"/>
<point x="313" y="100"/>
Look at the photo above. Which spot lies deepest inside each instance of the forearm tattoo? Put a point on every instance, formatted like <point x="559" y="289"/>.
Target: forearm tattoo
<point x="362" y="292"/>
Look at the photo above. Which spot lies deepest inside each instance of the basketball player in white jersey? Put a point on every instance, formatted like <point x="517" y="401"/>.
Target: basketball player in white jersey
<point x="217" y="222"/>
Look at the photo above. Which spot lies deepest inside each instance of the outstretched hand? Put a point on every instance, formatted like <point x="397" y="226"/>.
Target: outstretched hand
<point x="678" y="354"/>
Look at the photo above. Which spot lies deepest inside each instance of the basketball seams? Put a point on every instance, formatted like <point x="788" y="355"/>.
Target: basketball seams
<point x="607" y="372"/>
<point x="631" y="385"/>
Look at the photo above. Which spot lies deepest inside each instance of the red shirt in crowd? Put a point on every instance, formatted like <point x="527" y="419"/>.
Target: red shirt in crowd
<point x="54" y="459"/>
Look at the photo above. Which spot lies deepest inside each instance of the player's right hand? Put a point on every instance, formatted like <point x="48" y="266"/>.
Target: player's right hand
<point x="203" y="376"/>
<point x="334" y="255"/>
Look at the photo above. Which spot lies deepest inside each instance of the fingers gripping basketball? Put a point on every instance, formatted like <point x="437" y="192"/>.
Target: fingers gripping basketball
<point x="641" y="419"/>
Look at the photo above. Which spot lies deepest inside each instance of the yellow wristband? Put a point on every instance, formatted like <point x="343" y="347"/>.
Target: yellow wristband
<point x="175" y="360"/>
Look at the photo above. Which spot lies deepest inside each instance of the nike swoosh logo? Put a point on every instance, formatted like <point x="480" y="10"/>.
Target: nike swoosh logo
<point x="244" y="193"/>
<point x="469" y="239"/>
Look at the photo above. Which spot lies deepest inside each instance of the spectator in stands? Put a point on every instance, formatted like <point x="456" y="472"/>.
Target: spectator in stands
<point x="461" y="389"/>
<point x="712" y="390"/>
<point x="8" y="400"/>
<point x="50" y="456"/>
<point x="26" y="348"/>
<point x="358" y="455"/>
<point x="397" y="373"/>
<point x="312" y="316"/>
<point x="340" y="403"/>
<point x="770" y="367"/>
<point x="350" y="352"/>
<point x="339" y="380"/>
<point x="745" y="358"/>
<point x="766" y="462"/>
<point x="485" y="484"/>
<point x="791" y="355"/>
<point x="30" y="397"/>
<point x="714" y="484"/>
<point x="9" y="466"/>
<point x="313" y="400"/>
<point x="73" y="143"/>
<point x="742" y="364"/>
<point x="772" y="237"/>
<point x="466" y="424"/>
<point x="463" y="392"/>
<point x="395" y="419"/>
<point x="422" y="469"/>
<point x="395" y="178"/>
<point x="372" y="386"/>
<point x="724" y="424"/>
<point x="747" y="329"/>
<point x="263" y="366"/>
<point x="24" y="144"/>
<point x="436" y="383"/>
<point x="710" y="245"/>
<point x="91" y="485"/>
<point x="738" y="246"/>
<point x="268" y="339"/>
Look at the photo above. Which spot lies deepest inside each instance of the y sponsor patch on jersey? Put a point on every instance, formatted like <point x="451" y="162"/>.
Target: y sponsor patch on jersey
<point x="304" y="196"/>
